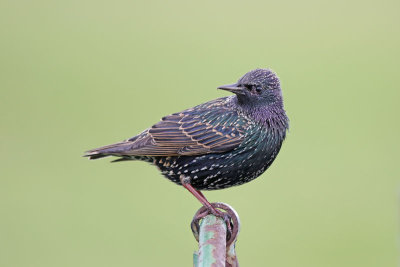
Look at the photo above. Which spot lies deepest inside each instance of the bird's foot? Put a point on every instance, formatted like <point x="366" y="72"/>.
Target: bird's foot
<point x="223" y="211"/>
<point x="227" y="219"/>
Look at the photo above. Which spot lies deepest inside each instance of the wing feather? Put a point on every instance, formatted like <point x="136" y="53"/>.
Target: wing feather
<point x="209" y="128"/>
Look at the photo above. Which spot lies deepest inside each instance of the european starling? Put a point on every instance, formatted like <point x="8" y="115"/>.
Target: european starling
<point x="222" y="143"/>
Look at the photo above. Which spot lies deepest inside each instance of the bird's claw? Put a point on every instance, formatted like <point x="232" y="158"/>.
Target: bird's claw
<point x="226" y="218"/>
<point x="229" y="216"/>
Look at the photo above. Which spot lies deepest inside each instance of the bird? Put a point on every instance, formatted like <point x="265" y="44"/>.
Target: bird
<point x="222" y="143"/>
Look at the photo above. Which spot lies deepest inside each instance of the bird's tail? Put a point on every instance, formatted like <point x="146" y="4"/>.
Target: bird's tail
<point x="111" y="150"/>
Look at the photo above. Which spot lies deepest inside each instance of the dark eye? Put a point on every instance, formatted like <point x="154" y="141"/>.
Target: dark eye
<point x="258" y="89"/>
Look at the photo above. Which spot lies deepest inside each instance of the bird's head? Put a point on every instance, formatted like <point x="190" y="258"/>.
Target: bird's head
<point x="257" y="87"/>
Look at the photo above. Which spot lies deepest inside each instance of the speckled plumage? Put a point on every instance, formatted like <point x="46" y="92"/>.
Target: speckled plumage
<point x="222" y="143"/>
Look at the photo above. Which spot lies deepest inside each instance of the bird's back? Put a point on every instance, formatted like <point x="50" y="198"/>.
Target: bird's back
<point x="212" y="127"/>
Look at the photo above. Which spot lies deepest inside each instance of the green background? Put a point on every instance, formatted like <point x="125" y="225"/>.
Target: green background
<point x="75" y="75"/>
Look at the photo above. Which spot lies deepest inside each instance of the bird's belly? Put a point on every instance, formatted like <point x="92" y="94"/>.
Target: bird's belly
<point x="218" y="171"/>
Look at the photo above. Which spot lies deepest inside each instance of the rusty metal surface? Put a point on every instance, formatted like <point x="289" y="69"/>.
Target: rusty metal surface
<point x="231" y="259"/>
<point x="212" y="242"/>
<point x="216" y="239"/>
<point x="195" y="259"/>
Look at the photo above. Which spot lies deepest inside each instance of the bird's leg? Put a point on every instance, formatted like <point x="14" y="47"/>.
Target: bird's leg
<point x="197" y="194"/>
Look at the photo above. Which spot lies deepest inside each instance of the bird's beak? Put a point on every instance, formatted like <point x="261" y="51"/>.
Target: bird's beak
<point x="234" y="88"/>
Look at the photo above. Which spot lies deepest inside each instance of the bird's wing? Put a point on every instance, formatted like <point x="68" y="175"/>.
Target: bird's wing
<point x="209" y="128"/>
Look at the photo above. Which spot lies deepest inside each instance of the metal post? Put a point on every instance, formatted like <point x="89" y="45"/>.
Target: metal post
<point x="216" y="248"/>
<point x="212" y="242"/>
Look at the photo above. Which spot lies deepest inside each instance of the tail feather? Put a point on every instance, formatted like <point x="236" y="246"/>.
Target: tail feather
<point x="111" y="150"/>
<point x="97" y="156"/>
<point x="123" y="159"/>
